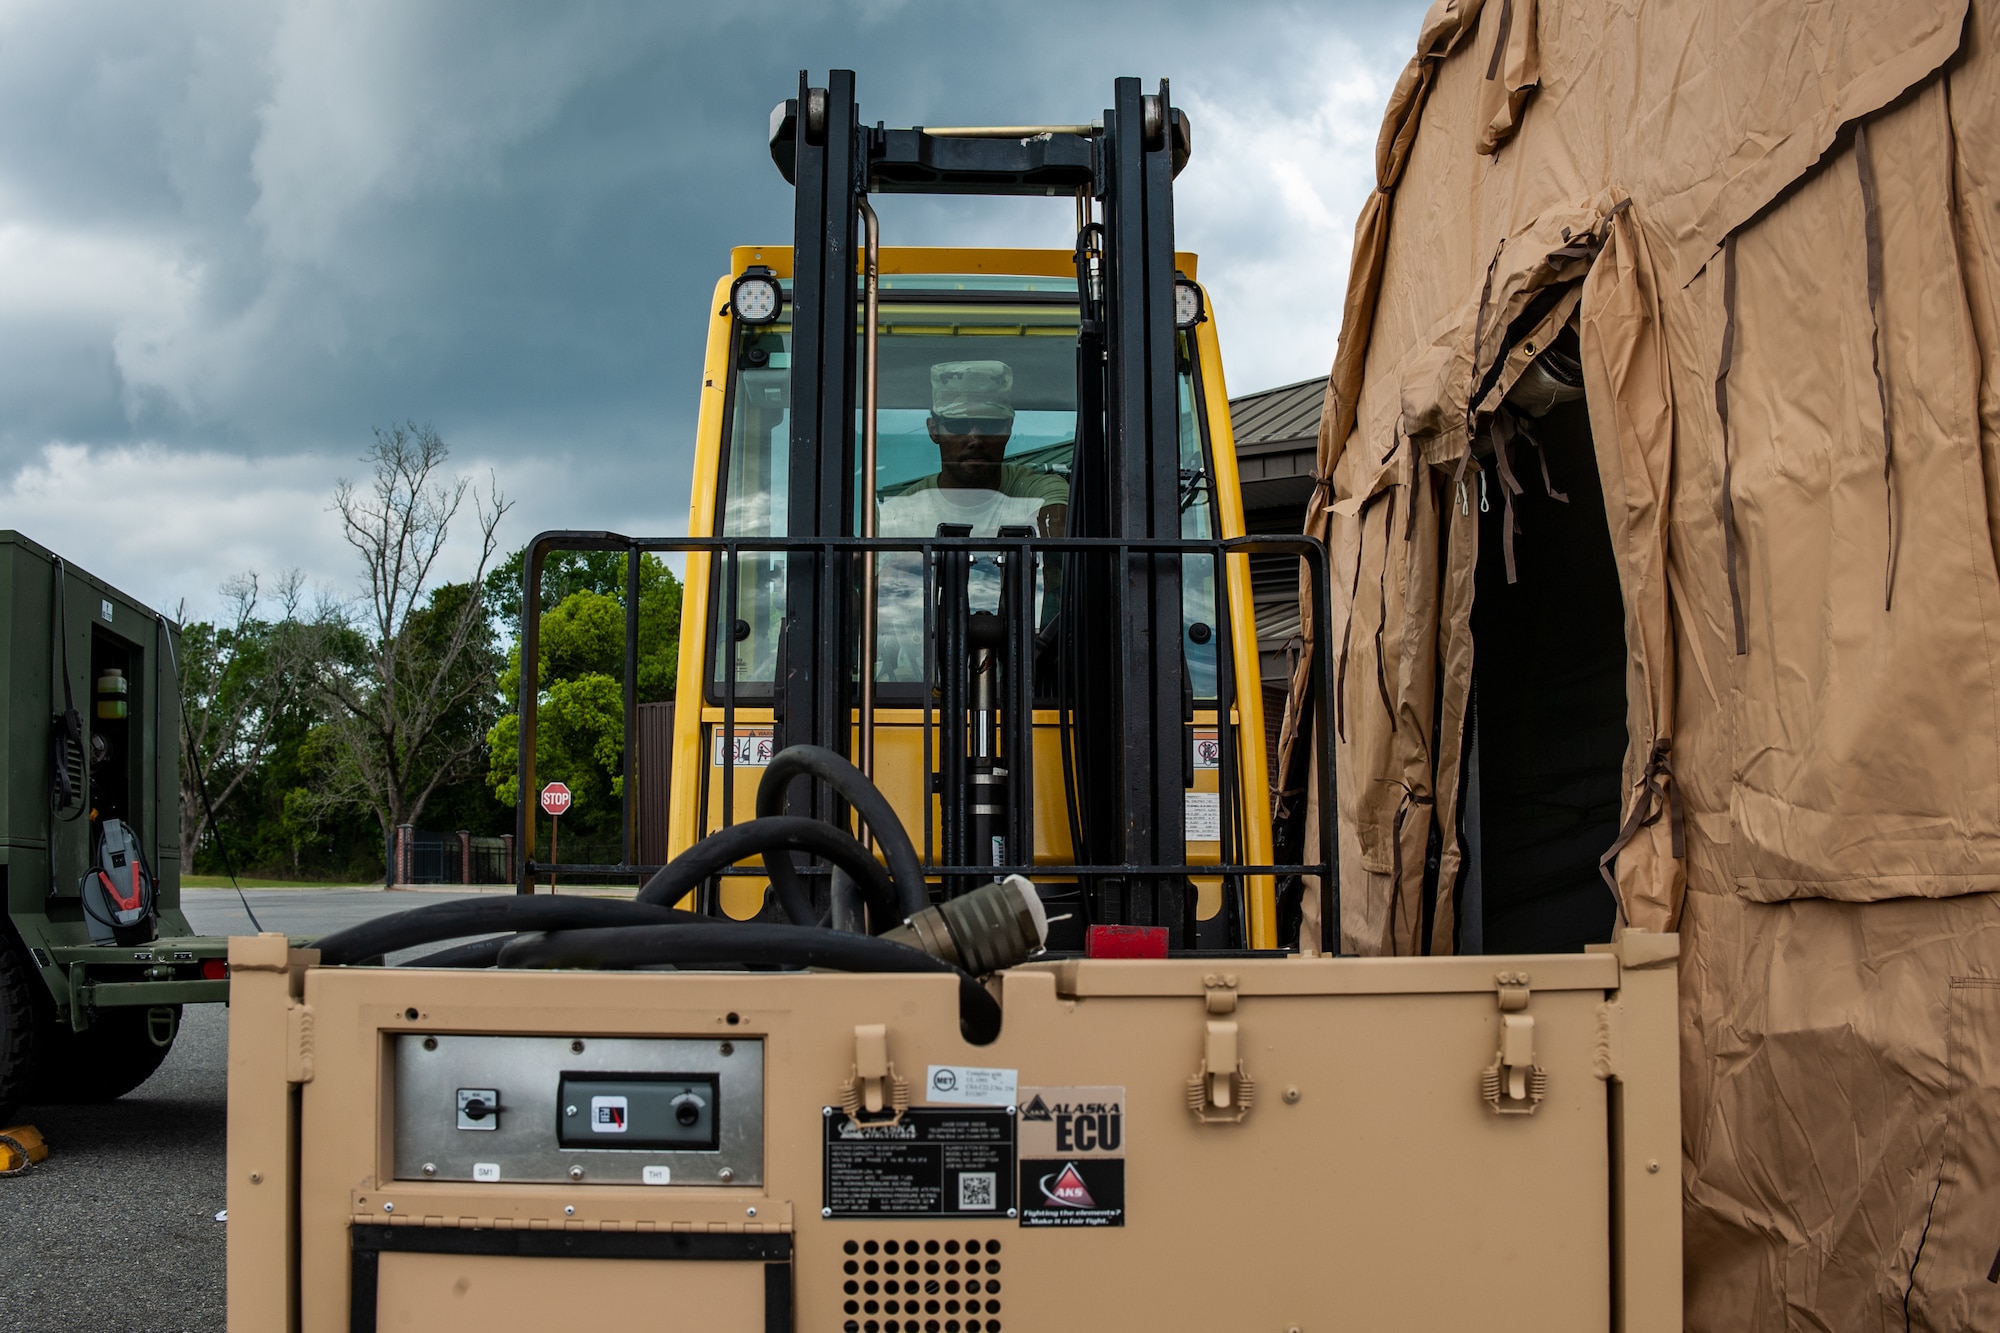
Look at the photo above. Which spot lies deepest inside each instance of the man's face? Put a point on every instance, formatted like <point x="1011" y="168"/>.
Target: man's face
<point x="970" y="450"/>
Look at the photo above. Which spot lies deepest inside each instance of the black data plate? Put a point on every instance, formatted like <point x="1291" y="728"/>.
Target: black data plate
<point x="933" y="1163"/>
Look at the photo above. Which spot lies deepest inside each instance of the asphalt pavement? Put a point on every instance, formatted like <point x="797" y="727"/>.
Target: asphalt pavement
<point x="304" y="911"/>
<point x="117" y="1230"/>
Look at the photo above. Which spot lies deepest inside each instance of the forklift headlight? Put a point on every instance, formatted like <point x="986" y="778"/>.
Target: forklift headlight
<point x="756" y="298"/>
<point x="1187" y="304"/>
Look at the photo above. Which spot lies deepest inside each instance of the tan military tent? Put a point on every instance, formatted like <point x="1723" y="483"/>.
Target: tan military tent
<point x="1764" y="243"/>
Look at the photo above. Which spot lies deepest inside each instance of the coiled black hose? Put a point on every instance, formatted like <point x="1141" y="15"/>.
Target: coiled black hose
<point x="776" y="837"/>
<point x="612" y="933"/>
<point x="488" y="916"/>
<point x="907" y="873"/>
<point x="735" y="941"/>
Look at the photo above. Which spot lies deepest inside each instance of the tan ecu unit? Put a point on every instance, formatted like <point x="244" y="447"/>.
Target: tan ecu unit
<point x="1207" y="1144"/>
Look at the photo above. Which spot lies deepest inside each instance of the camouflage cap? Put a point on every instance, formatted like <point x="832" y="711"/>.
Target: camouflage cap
<point x="972" y="389"/>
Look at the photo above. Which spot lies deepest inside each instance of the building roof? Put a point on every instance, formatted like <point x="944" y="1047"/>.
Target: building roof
<point x="1277" y="442"/>
<point x="1286" y="414"/>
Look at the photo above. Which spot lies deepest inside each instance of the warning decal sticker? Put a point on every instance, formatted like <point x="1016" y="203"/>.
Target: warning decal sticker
<point x="1203" y="816"/>
<point x="1072" y="1157"/>
<point x="933" y="1163"/>
<point x="752" y="747"/>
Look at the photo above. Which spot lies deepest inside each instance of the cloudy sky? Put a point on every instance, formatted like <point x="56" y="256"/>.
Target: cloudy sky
<point x="237" y="234"/>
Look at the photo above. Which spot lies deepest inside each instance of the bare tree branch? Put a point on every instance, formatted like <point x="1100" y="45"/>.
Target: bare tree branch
<point x="411" y="713"/>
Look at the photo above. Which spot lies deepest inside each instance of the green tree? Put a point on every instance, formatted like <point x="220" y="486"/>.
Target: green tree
<point x="563" y="573"/>
<point x="241" y="688"/>
<point x="580" y="711"/>
<point x="320" y="731"/>
<point x="258" y="727"/>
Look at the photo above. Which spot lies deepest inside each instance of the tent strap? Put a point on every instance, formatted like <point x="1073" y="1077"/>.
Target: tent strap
<point x="1658" y="794"/>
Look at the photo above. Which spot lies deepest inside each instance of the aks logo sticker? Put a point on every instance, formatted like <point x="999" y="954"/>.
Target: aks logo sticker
<point x="1037" y="1110"/>
<point x="1068" y="1190"/>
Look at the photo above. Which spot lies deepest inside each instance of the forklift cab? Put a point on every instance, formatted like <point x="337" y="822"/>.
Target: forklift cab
<point x="1024" y="326"/>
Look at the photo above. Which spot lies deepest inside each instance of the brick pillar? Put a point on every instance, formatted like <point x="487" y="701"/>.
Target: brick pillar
<point x="405" y="857"/>
<point x="464" y="856"/>
<point x="513" y="870"/>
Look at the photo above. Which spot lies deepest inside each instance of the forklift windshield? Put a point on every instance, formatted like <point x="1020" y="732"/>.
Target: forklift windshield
<point x="976" y="426"/>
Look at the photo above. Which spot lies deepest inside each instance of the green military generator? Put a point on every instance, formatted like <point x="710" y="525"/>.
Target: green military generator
<point x="96" y="958"/>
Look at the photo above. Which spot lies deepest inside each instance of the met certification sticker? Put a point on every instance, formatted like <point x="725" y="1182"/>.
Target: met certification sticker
<point x="970" y="1085"/>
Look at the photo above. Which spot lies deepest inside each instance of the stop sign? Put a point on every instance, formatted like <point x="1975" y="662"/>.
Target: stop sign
<point x="555" y="799"/>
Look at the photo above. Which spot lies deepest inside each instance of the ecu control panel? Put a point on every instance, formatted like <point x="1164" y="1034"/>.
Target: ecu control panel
<point x="646" y="1111"/>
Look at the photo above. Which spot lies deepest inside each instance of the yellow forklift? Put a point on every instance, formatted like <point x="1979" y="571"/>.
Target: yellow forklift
<point x="974" y="995"/>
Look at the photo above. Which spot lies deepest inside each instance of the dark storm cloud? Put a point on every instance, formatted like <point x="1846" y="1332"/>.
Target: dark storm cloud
<point x="239" y="232"/>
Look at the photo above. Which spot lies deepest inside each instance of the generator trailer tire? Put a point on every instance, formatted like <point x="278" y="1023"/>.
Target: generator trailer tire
<point x="20" y="1032"/>
<point x="102" y="1063"/>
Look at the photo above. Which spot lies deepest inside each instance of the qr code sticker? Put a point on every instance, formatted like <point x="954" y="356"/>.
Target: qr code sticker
<point x="975" y="1189"/>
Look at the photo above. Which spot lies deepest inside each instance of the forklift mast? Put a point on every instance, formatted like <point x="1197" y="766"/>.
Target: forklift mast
<point x="1132" y="712"/>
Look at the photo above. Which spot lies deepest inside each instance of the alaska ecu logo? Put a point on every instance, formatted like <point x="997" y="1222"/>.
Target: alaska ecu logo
<point x="1089" y="1127"/>
<point x="1072" y="1157"/>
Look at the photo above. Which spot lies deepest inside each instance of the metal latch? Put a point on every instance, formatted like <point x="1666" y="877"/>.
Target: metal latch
<point x="1514" y="1084"/>
<point x="1219" y="1092"/>
<point x="873" y="1092"/>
